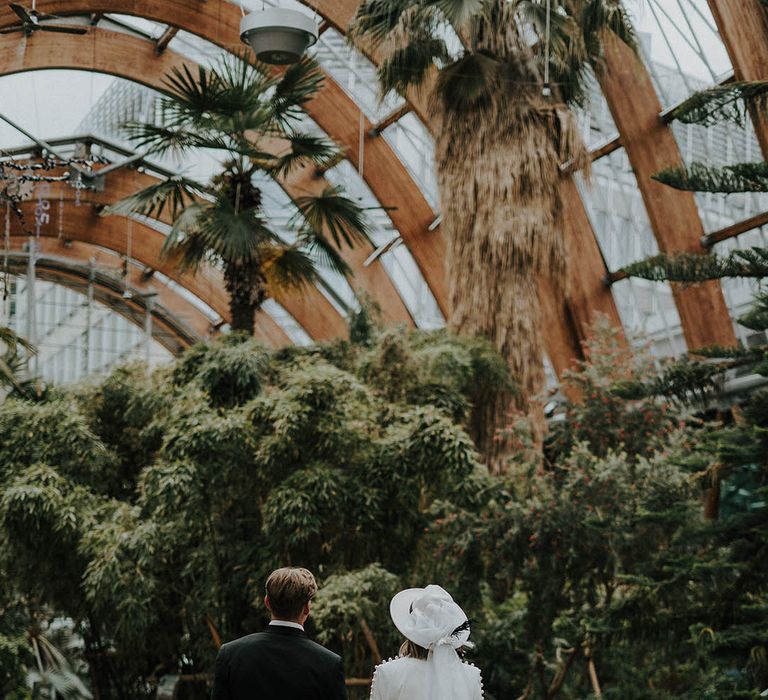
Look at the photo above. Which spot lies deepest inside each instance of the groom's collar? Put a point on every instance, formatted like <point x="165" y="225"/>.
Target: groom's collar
<point x="290" y="629"/>
<point x="286" y="623"/>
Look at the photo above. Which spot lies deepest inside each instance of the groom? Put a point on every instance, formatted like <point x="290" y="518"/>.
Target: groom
<point x="280" y="663"/>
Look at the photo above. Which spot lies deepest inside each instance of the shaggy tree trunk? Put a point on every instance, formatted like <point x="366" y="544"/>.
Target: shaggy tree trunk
<point x="246" y="287"/>
<point x="499" y="178"/>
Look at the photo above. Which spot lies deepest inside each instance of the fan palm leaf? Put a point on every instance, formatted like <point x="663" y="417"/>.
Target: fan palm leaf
<point x="12" y="342"/>
<point x="333" y="214"/>
<point x="288" y="268"/>
<point x="297" y="86"/>
<point x="174" y="195"/>
<point x="302" y="149"/>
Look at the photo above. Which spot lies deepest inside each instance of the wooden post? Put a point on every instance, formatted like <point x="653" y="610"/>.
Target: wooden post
<point x="674" y="216"/>
<point x="743" y="26"/>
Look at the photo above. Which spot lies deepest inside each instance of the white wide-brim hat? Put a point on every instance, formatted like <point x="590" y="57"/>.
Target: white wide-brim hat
<point x="428" y="616"/>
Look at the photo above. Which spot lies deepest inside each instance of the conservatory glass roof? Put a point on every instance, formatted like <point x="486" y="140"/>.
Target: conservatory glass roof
<point x="682" y="51"/>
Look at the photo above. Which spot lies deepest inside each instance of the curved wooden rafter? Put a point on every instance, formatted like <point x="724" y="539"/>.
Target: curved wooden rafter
<point x="177" y="324"/>
<point x="743" y="27"/>
<point x="218" y="22"/>
<point x="315" y="314"/>
<point x="132" y="58"/>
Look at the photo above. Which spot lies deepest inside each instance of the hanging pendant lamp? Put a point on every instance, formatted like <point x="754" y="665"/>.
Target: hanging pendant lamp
<point x="279" y="36"/>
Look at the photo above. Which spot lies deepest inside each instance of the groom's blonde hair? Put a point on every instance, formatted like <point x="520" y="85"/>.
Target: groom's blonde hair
<point x="289" y="589"/>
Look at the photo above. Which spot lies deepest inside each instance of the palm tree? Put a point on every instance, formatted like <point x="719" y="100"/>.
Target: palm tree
<point x="500" y="139"/>
<point x="237" y="109"/>
<point x="12" y="362"/>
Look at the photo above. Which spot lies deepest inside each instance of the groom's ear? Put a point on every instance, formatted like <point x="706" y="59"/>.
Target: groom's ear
<point x="266" y="603"/>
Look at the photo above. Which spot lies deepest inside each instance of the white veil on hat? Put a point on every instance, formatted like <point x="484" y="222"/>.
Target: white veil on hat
<point x="430" y="618"/>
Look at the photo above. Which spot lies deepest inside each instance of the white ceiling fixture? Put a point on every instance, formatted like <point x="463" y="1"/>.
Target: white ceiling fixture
<point x="279" y="36"/>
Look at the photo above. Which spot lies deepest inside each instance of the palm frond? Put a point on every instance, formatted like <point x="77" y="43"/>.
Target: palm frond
<point x="289" y="268"/>
<point x="12" y="340"/>
<point x="691" y="268"/>
<point x="298" y="84"/>
<point x="304" y="148"/>
<point x="375" y="20"/>
<point x="322" y="250"/>
<point x="174" y="195"/>
<point x="756" y="318"/>
<point x="408" y="65"/>
<point x="459" y="12"/>
<point x="182" y="238"/>
<point x="233" y="84"/>
<point x="470" y="82"/>
<point x="598" y="16"/>
<point x="333" y="214"/>
<point x="727" y="102"/>
<point x="234" y="236"/>
<point x="160" y="140"/>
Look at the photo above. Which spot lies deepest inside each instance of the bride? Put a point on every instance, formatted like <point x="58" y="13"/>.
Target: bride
<point x="428" y="667"/>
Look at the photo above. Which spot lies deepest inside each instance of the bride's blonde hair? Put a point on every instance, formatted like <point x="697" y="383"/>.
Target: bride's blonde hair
<point x="409" y="648"/>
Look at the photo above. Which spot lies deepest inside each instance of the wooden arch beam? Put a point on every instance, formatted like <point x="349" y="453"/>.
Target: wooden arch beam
<point x="315" y="314"/>
<point x="110" y="263"/>
<point x="176" y="326"/>
<point x="129" y="57"/>
<point x="674" y="215"/>
<point x="743" y="27"/>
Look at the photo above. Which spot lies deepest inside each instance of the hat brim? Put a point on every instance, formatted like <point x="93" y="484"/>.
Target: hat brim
<point x="400" y="608"/>
<point x="400" y="612"/>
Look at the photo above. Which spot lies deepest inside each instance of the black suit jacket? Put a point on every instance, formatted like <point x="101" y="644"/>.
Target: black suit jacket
<point x="278" y="664"/>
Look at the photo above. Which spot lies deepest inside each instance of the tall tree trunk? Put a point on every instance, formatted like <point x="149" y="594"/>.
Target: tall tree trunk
<point x="246" y="287"/>
<point x="498" y="174"/>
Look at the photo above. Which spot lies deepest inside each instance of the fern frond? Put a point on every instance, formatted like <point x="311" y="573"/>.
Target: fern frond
<point x="690" y="268"/>
<point x="728" y="102"/>
<point x="728" y="179"/>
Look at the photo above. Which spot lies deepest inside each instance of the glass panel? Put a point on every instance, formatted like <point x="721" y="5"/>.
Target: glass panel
<point x="42" y="103"/>
<point x="397" y="261"/>
<point x="616" y="210"/>
<point x="62" y="332"/>
<point x="615" y="207"/>
<point x="597" y="125"/>
<point x="681" y="46"/>
<point x="415" y="147"/>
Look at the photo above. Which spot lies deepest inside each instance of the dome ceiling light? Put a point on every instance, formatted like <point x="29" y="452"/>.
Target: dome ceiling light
<point x="279" y="36"/>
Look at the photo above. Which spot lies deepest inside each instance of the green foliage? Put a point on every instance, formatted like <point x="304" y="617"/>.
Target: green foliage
<point x="153" y="508"/>
<point x="700" y="177"/>
<point x="728" y="102"/>
<point x="348" y="599"/>
<point x="608" y="416"/>
<point x="689" y="268"/>
<point x="348" y="458"/>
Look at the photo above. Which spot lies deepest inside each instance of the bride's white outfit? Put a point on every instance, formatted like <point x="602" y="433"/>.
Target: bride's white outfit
<point x="428" y="617"/>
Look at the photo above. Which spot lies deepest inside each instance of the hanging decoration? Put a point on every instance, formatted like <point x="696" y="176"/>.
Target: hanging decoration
<point x="18" y="181"/>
